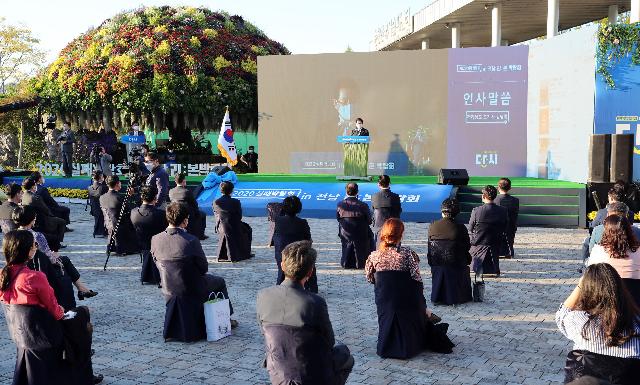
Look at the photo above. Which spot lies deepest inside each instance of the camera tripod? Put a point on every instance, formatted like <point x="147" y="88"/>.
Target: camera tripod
<point x="125" y="204"/>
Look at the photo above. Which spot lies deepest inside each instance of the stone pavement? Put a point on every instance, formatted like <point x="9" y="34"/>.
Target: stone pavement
<point x="509" y="339"/>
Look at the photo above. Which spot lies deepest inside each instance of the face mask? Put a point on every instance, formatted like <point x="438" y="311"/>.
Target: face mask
<point x="359" y="125"/>
<point x="148" y="165"/>
<point x="250" y="151"/>
<point x="136" y="128"/>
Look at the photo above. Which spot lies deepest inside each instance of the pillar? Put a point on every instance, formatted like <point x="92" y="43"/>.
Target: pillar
<point x="634" y="15"/>
<point x="496" y="24"/>
<point x="425" y="44"/>
<point x="455" y="35"/>
<point x="613" y="14"/>
<point x="553" y="16"/>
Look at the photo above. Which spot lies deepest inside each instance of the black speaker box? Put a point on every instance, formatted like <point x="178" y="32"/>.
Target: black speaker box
<point x="221" y="170"/>
<point x="621" y="158"/>
<point x="453" y="176"/>
<point x="599" y="158"/>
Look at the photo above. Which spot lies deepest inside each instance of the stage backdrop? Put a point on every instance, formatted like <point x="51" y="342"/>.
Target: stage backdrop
<point x="560" y="116"/>
<point x="618" y="110"/>
<point x="405" y="99"/>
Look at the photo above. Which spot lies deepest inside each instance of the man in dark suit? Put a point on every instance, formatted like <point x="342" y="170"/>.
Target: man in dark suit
<point x="234" y="235"/>
<point x="615" y="194"/>
<point x="66" y="139"/>
<point x="487" y="227"/>
<point x="96" y="190"/>
<point x="49" y="223"/>
<point x="181" y="261"/>
<point x="385" y="204"/>
<point x="359" y="130"/>
<point x="159" y="178"/>
<point x="111" y="205"/>
<point x="148" y="220"/>
<point x="298" y="333"/>
<point x="290" y="228"/>
<point x="512" y="204"/>
<point x="250" y="159"/>
<point x="14" y="193"/>
<point x="43" y="192"/>
<point x="356" y="237"/>
<point x="197" y="218"/>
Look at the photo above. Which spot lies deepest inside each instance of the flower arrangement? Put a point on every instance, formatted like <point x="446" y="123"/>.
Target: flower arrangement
<point x="154" y="63"/>
<point x="616" y="41"/>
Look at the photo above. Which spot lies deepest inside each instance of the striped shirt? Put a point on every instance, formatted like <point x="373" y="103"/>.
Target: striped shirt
<point x="571" y="322"/>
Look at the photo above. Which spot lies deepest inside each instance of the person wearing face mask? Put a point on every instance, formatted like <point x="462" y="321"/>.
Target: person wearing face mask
<point x="66" y="139"/>
<point x="158" y="177"/>
<point x="135" y="129"/>
<point x="359" y="130"/>
<point x="250" y="159"/>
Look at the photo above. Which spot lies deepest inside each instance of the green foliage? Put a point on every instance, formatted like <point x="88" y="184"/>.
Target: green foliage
<point x="616" y="41"/>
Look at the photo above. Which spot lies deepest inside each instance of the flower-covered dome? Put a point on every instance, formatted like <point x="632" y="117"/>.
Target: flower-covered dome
<point x="155" y="63"/>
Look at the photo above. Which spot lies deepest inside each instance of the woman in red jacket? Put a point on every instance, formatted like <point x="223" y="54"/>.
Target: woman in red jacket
<point x="20" y="285"/>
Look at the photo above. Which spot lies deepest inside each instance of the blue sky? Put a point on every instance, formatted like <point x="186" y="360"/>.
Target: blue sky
<point x="302" y="26"/>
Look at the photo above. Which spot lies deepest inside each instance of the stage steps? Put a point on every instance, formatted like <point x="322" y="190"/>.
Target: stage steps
<point x="539" y="206"/>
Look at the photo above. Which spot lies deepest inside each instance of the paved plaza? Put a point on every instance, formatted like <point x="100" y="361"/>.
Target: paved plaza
<point x="511" y="338"/>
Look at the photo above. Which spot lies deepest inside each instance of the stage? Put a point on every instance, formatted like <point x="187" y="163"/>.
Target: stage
<point x="543" y="202"/>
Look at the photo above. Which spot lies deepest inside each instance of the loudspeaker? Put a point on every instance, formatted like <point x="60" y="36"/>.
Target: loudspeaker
<point x="599" y="157"/>
<point x="621" y="158"/>
<point x="453" y="176"/>
<point x="221" y="170"/>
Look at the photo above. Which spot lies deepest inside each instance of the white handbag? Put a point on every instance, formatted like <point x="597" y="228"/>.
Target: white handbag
<point x="217" y="317"/>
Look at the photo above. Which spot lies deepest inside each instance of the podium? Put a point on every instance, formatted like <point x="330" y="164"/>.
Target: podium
<point x="131" y="142"/>
<point x="356" y="157"/>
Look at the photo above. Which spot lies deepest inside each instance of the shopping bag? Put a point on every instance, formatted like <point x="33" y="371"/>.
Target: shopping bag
<point x="217" y="317"/>
<point x="478" y="290"/>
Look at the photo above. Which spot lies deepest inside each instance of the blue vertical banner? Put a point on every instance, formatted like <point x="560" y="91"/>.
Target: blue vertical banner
<point x="617" y="110"/>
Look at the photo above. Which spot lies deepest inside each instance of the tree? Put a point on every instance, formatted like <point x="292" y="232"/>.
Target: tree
<point x="20" y="55"/>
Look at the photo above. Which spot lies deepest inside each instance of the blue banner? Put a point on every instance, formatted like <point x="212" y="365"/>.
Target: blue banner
<point x="617" y="110"/>
<point x="420" y="202"/>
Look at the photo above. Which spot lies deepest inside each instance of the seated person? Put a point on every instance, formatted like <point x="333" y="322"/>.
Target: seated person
<point x="449" y="258"/>
<point x="43" y="192"/>
<point x="356" y="237"/>
<point x="96" y="190"/>
<point x="620" y="248"/>
<point x="49" y="224"/>
<point x="111" y="202"/>
<point x="290" y="228"/>
<point x="391" y="256"/>
<point x="234" y="236"/>
<point x="25" y="218"/>
<point x="148" y="221"/>
<point x="20" y="285"/>
<point x="178" y="254"/>
<point x="615" y="194"/>
<point x="297" y="329"/>
<point x="601" y="319"/>
<point x="614" y="208"/>
<point x="512" y="204"/>
<point x="487" y="229"/>
<point x="14" y="192"/>
<point x="181" y="194"/>
<point x="406" y="325"/>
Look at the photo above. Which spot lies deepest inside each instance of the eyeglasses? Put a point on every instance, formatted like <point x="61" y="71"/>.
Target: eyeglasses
<point x="35" y="245"/>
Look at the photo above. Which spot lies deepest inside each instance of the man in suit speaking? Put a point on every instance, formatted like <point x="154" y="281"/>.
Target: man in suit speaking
<point x="359" y="130"/>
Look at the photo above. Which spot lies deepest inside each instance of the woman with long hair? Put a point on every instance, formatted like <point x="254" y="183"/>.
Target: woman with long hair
<point x="21" y="285"/>
<point x="601" y="319"/>
<point x="391" y="256"/>
<point x="620" y="248"/>
<point x="25" y="219"/>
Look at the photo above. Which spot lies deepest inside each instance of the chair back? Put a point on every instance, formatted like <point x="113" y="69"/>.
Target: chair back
<point x="180" y="278"/>
<point x="31" y="327"/>
<point x="297" y="355"/>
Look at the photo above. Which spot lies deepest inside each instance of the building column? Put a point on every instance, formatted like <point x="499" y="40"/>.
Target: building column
<point x="425" y="44"/>
<point x="496" y="24"/>
<point x="455" y="35"/>
<point x="613" y="14"/>
<point x="553" y="16"/>
<point x="634" y="15"/>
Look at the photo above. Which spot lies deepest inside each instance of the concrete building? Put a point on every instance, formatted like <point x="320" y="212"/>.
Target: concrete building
<point x="485" y="23"/>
